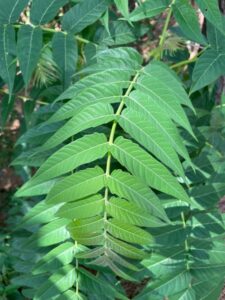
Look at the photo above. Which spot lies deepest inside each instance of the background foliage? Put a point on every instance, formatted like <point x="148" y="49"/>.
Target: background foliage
<point x="122" y="112"/>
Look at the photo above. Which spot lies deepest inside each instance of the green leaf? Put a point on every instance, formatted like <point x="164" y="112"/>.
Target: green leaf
<point x="120" y="33"/>
<point x="188" y="294"/>
<point x="209" y="67"/>
<point x="99" y="283"/>
<point x="84" y="150"/>
<point x="129" y="187"/>
<point x="28" y="56"/>
<point x="163" y="125"/>
<point x="74" y="187"/>
<point x="6" y="109"/>
<point x="55" y="259"/>
<point x="8" y="55"/>
<point x="215" y="37"/>
<point x="146" y="134"/>
<point x="50" y="234"/>
<point x="43" y="11"/>
<point x="35" y="190"/>
<point x="89" y="240"/>
<point x="89" y="207"/>
<point x="130" y="213"/>
<point x="40" y="213"/>
<point x="164" y="88"/>
<point x="91" y="90"/>
<point x="144" y="166"/>
<point x="188" y="21"/>
<point x="70" y="295"/>
<point x="91" y="116"/>
<point x="119" y="260"/>
<point x="161" y="261"/>
<point x="169" y="284"/>
<point x="65" y="54"/>
<point x="57" y="283"/>
<point x="123" y="7"/>
<point x="158" y="71"/>
<point x="104" y="261"/>
<point x="83" y="14"/>
<point x="90" y="253"/>
<point x="86" y="227"/>
<point x="29" y="281"/>
<point x="211" y="11"/>
<point x="35" y="134"/>
<point x="148" y="9"/>
<point x="128" y="233"/>
<point x="10" y="13"/>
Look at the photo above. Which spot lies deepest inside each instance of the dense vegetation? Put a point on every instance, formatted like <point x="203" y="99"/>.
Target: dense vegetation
<point x="122" y="149"/>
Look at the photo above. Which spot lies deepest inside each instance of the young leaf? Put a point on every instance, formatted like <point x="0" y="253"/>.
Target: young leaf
<point x="28" y="56"/>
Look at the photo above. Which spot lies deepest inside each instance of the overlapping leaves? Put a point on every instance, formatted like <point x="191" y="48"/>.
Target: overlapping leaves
<point x="105" y="209"/>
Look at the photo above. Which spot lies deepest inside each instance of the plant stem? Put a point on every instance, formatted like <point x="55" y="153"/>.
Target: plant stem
<point x="111" y="140"/>
<point x="77" y="267"/>
<point x="165" y="28"/>
<point x="186" y="241"/>
<point x="188" y="61"/>
<point x="118" y="113"/>
<point x="51" y="30"/>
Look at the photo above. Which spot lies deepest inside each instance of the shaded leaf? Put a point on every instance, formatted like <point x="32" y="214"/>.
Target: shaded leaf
<point x="8" y="55"/>
<point x="65" y="54"/>
<point x="83" y="14"/>
<point x="148" y="9"/>
<point x="188" y="21"/>
<point x="209" y="67"/>
<point x="43" y="11"/>
<point x="57" y="283"/>
<point x="28" y="56"/>
<point x="10" y="13"/>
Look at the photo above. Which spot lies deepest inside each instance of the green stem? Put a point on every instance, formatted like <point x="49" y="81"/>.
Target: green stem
<point x="165" y="28"/>
<point x="51" y="30"/>
<point x="77" y="267"/>
<point x="111" y="140"/>
<point x="188" y="61"/>
<point x="115" y="123"/>
<point x="186" y="241"/>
